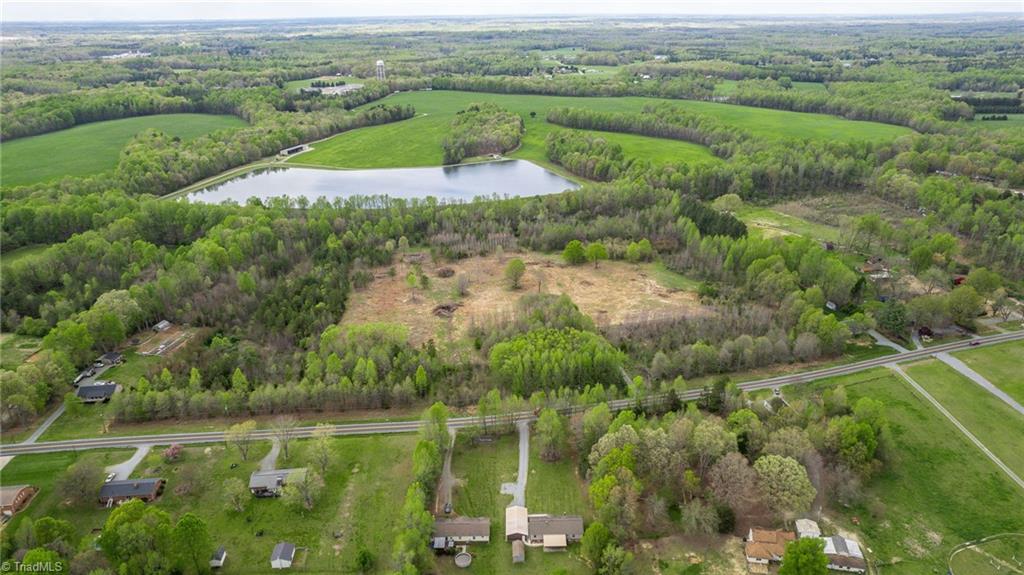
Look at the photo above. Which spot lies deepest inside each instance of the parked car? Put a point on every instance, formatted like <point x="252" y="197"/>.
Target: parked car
<point x="110" y="477"/>
<point x="80" y="377"/>
<point x="97" y="363"/>
<point x="448" y="508"/>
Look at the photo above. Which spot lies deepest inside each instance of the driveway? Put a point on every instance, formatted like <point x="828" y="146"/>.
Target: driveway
<point x="518" y="489"/>
<point x="979" y="379"/>
<point x="124" y="469"/>
<point x="882" y="340"/>
<point x="269" y="461"/>
<point x="447" y="480"/>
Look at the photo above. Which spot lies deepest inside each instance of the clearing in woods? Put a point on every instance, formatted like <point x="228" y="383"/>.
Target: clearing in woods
<point x="615" y="292"/>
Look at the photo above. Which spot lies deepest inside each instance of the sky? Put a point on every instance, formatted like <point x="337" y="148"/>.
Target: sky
<point x="150" y="10"/>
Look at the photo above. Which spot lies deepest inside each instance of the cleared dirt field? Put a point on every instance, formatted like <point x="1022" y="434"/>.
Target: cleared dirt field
<point x="162" y="342"/>
<point x="613" y="293"/>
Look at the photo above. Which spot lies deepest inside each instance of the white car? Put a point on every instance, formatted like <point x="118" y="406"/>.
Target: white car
<point x="110" y="477"/>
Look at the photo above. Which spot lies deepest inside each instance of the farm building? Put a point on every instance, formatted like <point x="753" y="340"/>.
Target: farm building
<point x="518" y="551"/>
<point x="162" y="325"/>
<point x="461" y="530"/>
<point x="218" y="558"/>
<point x="282" y="556"/>
<point x="516" y="523"/>
<point x="293" y="150"/>
<point x="13" y="498"/>
<point x="270" y="483"/>
<point x="555" y="532"/>
<point x="844" y="554"/>
<point x="99" y="392"/>
<point x="765" y="546"/>
<point x="119" y="491"/>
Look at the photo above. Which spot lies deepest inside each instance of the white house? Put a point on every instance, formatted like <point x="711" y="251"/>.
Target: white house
<point x="806" y="528"/>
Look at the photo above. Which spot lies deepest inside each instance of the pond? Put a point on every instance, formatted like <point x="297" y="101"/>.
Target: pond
<point x="505" y="178"/>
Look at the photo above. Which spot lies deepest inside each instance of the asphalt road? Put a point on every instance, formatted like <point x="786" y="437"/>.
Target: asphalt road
<point x="459" y="422"/>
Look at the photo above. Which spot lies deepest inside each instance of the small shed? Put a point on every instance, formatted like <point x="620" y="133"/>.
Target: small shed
<point x="518" y="551"/>
<point x="555" y="542"/>
<point x="162" y="325"/>
<point x="218" y="558"/>
<point x="111" y="358"/>
<point x="283" y="555"/>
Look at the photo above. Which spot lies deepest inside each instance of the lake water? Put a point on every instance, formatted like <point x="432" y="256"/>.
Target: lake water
<point x="505" y="178"/>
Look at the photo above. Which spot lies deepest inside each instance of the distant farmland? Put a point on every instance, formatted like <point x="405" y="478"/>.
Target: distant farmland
<point x="417" y="142"/>
<point x="94" y="148"/>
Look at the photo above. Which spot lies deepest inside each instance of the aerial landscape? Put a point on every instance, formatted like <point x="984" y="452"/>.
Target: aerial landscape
<point x="527" y="288"/>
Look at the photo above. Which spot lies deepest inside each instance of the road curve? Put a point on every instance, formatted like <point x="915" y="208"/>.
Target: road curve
<point x="460" y="422"/>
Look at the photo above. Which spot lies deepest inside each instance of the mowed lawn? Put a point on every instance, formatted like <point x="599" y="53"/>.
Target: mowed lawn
<point x="16" y="348"/>
<point x="990" y="419"/>
<point x="481" y="470"/>
<point x="937" y="491"/>
<point x="96" y="147"/>
<point x="1002" y="365"/>
<point x="417" y="142"/>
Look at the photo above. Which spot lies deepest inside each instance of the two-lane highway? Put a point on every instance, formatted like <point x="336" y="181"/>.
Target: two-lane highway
<point x="459" y="422"/>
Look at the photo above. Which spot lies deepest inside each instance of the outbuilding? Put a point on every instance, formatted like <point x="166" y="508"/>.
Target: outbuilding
<point x="119" y="491"/>
<point x="218" y="558"/>
<point x="844" y="554"/>
<point x="807" y="528"/>
<point x="282" y="556"/>
<point x="162" y="325"/>
<point x="111" y="358"/>
<point x="518" y="551"/>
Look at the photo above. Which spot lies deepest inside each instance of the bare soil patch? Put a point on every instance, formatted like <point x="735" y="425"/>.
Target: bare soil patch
<point x="614" y="292"/>
<point x="162" y="342"/>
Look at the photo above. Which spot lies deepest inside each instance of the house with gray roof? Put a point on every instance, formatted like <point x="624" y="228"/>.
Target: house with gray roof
<point x="271" y="483"/>
<point x="119" y="491"/>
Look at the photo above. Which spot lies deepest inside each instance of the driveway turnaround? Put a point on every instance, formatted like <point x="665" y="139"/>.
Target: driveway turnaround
<point x="518" y="489"/>
<point x="979" y="379"/>
<point x="124" y="469"/>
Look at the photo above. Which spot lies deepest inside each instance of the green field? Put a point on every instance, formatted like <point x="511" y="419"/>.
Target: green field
<point x="22" y="254"/>
<point x="482" y="469"/>
<point x="1013" y="122"/>
<point x="728" y="87"/>
<point x="93" y="148"/>
<point x="554" y="486"/>
<point x="417" y="142"/>
<point x="768" y="222"/>
<point x="991" y="420"/>
<point x="295" y="85"/>
<point x="1000" y="364"/>
<point x="15" y="349"/>
<point x="937" y="491"/>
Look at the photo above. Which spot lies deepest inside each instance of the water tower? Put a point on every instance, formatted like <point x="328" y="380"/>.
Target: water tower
<point x="381" y="75"/>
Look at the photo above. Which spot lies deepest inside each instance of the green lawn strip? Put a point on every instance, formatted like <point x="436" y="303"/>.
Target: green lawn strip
<point x="670" y="279"/>
<point x="554" y="487"/>
<point x="991" y="420"/>
<point x="134" y="367"/>
<point x="1012" y="122"/>
<point x="936" y="491"/>
<point x="16" y="348"/>
<point x="417" y="142"/>
<point x="42" y="471"/>
<point x="95" y="147"/>
<point x="1001" y="364"/>
<point x="482" y="469"/>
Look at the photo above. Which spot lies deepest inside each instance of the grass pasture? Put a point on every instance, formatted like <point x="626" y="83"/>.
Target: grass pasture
<point x="22" y="254"/>
<point x="1012" y="122"/>
<point x="417" y="142"/>
<point x="95" y="147"/>
<point x="991" y="420"/>
<point x="938" y="490"/>
<point x="1000" y="364"/>
<point x="994" y="557"/>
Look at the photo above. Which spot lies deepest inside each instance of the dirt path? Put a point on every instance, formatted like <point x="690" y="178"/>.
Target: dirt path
<point x="269" y="461"/>
<point x="447" y="481"/>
